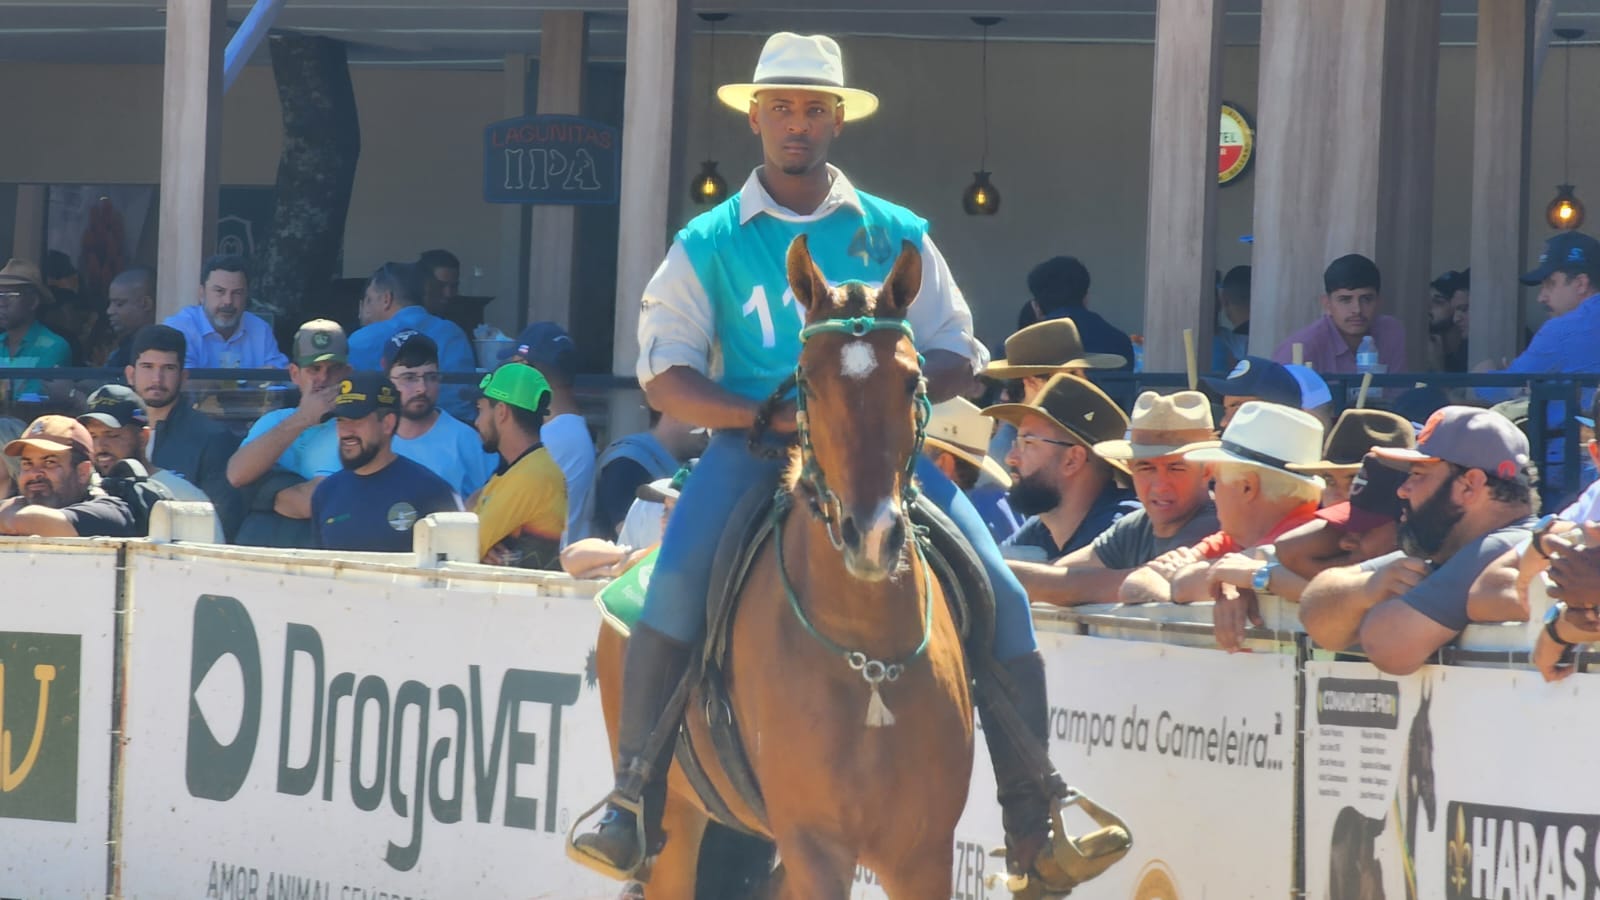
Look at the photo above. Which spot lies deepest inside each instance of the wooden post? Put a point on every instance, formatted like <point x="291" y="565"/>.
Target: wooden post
<point x="1501" y="128"/>
<point x="27" y="236"/>
<point x="562" y="42"/>
<point x="1181" y="225"/>
<point x="1405" y="181"/>
<point x="657" y="54"/>
<point x="1317" y="172"/>
<point x="191" y="128"/>
<point x="511" y="298"/>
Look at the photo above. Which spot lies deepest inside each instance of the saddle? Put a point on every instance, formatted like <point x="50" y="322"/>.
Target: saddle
<point x="966" y="589"/>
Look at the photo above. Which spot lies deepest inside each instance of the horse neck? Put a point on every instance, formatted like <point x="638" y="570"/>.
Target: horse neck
<point x="881" y="619"/>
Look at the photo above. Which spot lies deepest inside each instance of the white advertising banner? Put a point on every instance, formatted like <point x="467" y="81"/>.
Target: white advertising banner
<point x="1193" y="748"/>
<point x="1452" y="783"/>
<point x="57" y="633"/>
<point x="293" y="735"/>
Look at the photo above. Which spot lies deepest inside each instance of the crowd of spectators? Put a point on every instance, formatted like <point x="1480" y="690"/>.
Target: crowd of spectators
<point x="1393" y="530"/>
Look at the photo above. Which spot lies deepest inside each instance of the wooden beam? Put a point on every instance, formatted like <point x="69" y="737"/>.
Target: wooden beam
<point x="563" y="39"/>
<point x="511" y="298"/>
<point x="1180" y="247"/>
<point x="1405" y="179"/>
<point x="1501" y="127"/>
<point x="191" y="130"/>
<point x="27" y="235"/>
<point x="657" y="54"/>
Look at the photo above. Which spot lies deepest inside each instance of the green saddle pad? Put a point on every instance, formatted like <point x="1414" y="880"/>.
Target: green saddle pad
<point x="622" y="600"/>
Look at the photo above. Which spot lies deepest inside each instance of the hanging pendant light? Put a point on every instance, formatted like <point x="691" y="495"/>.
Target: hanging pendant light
<point x="981" y="198"/>
<point x="708" y="187"/>
<point x="1565" y="212"/>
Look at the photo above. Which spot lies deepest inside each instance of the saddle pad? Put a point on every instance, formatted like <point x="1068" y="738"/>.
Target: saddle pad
<point x="622" y="600"/>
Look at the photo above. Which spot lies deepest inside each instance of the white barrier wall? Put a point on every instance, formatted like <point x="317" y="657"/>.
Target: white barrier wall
<point x="57" y="626"/>
<point x="1466" y="783"/>
<point x="296" y="734"/>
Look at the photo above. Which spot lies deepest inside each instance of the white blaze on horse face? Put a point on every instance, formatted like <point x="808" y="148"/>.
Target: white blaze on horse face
<point x="858" y="360"/>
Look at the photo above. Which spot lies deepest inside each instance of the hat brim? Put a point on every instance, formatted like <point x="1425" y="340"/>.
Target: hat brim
<point x="1219" y="455"/>
<point x="1537" y="276"/>
<point x="1405" y="456"/>
<point x="1127" y="450"/>
<point x="985" y="463"/>
<point x="47" y="444"/>
<point x="658" y="491"/>
<point x="1013" y="413"/>
<point x="1000" y="369"/>
<point x="1317" y="468"/>
<point x="304" y="361"/>
<point x="105" y="419"/>
<point x="858" y="104"/>
<point x="46" y="296"/>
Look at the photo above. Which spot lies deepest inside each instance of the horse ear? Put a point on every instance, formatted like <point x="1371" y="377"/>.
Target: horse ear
<point x="805" y="279"/>
<point x="904" y="280"/>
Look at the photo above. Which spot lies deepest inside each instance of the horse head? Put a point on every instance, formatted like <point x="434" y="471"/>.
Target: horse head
<point x="1419" y="760"/>
<point x="862" y="406"/>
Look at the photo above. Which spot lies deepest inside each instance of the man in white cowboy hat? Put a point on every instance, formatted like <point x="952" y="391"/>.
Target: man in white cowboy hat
<point x="1258" y="497"/>
<point x="722" y="296"/>
<point x="1176" y="509"/>
<point x="957" y="434"/>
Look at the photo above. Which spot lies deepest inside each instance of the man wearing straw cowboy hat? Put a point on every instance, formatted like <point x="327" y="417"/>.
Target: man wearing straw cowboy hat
<point x="721" y="295"/>
<point x="1033" y="355"/>
<point x="957" y="434"/>
<point x="1176" y="509"/>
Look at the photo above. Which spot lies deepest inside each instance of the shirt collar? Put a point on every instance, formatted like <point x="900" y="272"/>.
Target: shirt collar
<point x="754" y="199"/>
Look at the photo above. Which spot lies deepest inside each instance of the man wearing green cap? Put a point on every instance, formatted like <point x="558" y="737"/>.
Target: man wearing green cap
<point x="523" y="508"/>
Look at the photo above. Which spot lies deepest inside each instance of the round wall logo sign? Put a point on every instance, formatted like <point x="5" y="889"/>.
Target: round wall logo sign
<point x="1236" y="144"/>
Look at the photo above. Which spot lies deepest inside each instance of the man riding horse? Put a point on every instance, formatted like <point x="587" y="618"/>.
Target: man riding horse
<point x="722" y="295"/>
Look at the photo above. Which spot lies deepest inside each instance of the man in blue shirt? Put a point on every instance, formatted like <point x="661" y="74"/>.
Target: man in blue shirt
<point x="375" y="499"/>
<point x="427" y="434"/>
<point x="25" y="342"/>
<point x="719" y="331"/>
<point x="219" y="331"/>
<point x="393" y="303"/>
<point x="1060" y="289"/>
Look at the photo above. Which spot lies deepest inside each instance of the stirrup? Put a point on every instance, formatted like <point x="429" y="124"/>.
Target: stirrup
<point x="600" y="864"/>
<point x="1066" y="861"/>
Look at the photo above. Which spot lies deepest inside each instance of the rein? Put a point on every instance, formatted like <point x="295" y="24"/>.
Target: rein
<point x="825" y="506"/>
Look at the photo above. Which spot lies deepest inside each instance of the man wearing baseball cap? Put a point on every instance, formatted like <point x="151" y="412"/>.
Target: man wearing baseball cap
<point x="119" y="426"/>
<point x="375" y="499"/>
<point x="1175" y="503"/>
<point x="523" y="509"/>
<point x="547" y="347"/>
<point x="299" y="440"/>
<point x="392" y="303"/>
<point x="1254" y="378"/>
<point x="1468" y="499"/>
<point x="426" y="433"/>
<point x="56" y="497"/>
<point x="716" y="339"/>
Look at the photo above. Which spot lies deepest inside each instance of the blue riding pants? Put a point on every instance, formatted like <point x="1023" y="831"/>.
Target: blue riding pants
<point x="675" y="602"/>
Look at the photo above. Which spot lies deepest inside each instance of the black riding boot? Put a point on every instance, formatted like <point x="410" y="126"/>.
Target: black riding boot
<point x="651" y="671"/>
<point x="1025" y="799"/>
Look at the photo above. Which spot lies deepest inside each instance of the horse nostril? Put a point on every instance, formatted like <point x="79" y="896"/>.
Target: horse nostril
<point x="897" y="535"/>
<point x="850" y="534"/>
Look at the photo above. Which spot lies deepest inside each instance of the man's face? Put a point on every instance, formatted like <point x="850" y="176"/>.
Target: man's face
<point x="1352" y="311"/>
<point x="1460" y="306"/>
<point x="1231" y="498"/>
<point x="48" y="478"/>
<point x="113" y="445"/>
<point x="419" y="389"/>
<point x="1561" y="293"/>
<point x="1337" y="489"/>
<point x="317" y="376"/>
<point x="1429" y="512"/>
<point x="361" y="440"/>
<point x="448" y="281"/>
<point x="796" y="127"/>
<point x="371" y="302"/>
<point x="1230" y="405"/>
<point x="224" y="296"/>
<point x="128" y="307"/>
<point x="156" y="377"/>
<point x="1369" y="544"/>
<point x="1035" y="461"/>
<point x="1439" y="311"/>
<point x="488" y="431"/>
<point x="1170" y="487"/>
<point x="18" y="303"/>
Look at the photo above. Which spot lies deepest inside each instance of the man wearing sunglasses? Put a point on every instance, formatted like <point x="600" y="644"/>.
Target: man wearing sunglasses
<point x="427" y="434"/>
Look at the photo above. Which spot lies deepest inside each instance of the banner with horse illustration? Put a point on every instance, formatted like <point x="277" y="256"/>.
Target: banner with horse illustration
<point x="1451" y="783"/>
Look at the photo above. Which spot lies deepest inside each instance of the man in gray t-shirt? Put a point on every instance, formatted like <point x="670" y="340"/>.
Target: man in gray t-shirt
<point x="1177" y="511"/>
<point x="1468" y="499"/>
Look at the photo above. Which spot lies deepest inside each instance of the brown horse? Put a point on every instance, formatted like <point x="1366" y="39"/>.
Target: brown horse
<point x="851" y="771"/>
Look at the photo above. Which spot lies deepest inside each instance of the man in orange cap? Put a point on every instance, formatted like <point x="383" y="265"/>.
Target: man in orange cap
<point x="56" y="498"/>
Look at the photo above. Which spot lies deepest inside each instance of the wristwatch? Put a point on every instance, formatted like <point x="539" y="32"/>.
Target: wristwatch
<point x="1263" y="576"/>
<point x="1551" y="617"/>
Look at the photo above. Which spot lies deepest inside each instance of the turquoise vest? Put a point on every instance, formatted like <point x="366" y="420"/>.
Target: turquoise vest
<point x="742" y="268"/>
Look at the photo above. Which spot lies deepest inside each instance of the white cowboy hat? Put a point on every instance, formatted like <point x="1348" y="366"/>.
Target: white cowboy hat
<point x="801" y="62"/>
<point x="1270" y="436"/>
<point x="958" y="428"/>
<point x="1164" y="426"/>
